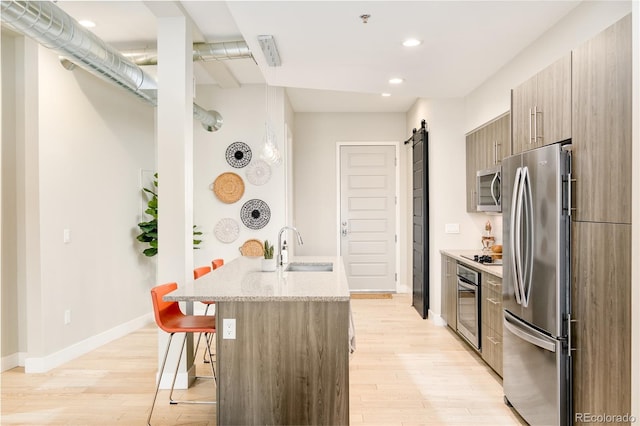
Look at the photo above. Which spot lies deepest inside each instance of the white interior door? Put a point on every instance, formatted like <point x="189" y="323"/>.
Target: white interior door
<point x="368" y="216"/>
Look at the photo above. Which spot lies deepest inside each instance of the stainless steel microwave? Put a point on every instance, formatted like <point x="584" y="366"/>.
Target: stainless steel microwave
<point x="488" y="187"/>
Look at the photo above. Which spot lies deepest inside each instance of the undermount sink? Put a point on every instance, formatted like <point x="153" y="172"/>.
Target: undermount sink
<point x="309" y="267"/>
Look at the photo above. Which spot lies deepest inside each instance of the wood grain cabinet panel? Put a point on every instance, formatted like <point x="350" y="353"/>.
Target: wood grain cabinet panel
<point x="289" y="364"/>
<point x="449" y="292"/>
<point x="601" y="306"/>
<point x="541" y="107"/>
<point x="486" y="147"/>
<point x="491" y="313"/>
<point x="472" y="168"/>
<point x="601" y="80"/>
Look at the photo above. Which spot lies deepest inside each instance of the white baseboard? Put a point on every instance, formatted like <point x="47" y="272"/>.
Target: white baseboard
<point x="46" y="363"/>
<point x="12" y="361"/>
<point x="437" y="319"/>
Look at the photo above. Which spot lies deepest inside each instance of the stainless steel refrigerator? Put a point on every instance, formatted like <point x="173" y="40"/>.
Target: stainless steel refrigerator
<point x="536" y="284"/>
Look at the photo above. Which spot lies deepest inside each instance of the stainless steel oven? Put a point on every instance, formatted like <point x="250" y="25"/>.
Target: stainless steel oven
<point x="469" y="300"/>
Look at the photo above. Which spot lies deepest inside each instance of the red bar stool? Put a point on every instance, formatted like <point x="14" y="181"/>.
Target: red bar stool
<point x="202" y="270"/>
<point x="170" y="319"/>
<point x="197" y="273"/>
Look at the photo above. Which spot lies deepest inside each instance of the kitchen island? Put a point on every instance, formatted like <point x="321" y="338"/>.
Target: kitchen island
<point x="289" y="360"/>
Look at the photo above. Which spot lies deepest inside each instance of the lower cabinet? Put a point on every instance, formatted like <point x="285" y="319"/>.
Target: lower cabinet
<point x="491" y="328"/>
<point x="601" y="306"/>
<point x="449" y="292"/>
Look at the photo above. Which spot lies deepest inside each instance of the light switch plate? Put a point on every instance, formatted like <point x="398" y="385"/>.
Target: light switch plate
<point x="452" y="228"/>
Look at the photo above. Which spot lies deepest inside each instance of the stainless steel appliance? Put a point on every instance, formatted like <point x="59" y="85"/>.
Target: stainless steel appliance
<point x="489" y="189"/>
<point x="536" y="284"/>
<point x="469" y="300"/>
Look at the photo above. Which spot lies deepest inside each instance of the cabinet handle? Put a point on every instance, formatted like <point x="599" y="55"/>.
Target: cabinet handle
<point x="495" y="302"/>
<point x="493" y="283"/>
<point x="530" y="125"/>
<point x="492" y="340"/>
<point x="569" y="335"/>
<point x="535" y="127"/>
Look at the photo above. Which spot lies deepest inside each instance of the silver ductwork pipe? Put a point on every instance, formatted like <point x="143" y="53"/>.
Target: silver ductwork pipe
<point x="50" y="26"/>
<point x="205" y="52"/>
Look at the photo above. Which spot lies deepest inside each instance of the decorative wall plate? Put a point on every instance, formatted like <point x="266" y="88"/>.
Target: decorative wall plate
<point x="226" y="230"/>
<point x="255" y="214"/>
<point x="238" y="154"/>
<point x="228" y="187"/>
<point x="258" y="172"/>
<point x="252" y="247"/>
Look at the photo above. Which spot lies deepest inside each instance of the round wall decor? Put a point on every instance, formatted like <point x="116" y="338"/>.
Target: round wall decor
<point x="258" y="172"/>
<point x="252" y="248"/>
<point x="226" y="230"/>
<point x="228" y="187"/>
<point x="238" y="154"/>
<point x="255" y="214"/>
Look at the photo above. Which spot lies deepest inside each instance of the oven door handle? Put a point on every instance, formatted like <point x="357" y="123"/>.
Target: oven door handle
<point x="466" y="285"/>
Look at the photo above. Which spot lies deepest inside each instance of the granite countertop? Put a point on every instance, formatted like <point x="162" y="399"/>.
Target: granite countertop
<point x="484" y="267"/>
<point x="242" y="280"/>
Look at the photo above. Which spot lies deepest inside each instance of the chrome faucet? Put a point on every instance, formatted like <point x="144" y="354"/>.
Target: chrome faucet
<point x="279" y="258"/>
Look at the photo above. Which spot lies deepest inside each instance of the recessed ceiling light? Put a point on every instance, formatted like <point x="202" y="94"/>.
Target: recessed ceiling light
<point x="396" y="80"/>
<point x="386" y="95"/>
<point x="86" y="23"/>
<point x="411" y="42"/>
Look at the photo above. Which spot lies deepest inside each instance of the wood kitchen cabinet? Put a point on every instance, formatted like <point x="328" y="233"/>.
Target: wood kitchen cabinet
<point x="485" y="148"/>
<point x="541" y="108"/>
<point x="601" y="80"/>
<point x="471" y="162"/>
<point x="601" y="306"/>
<point x="449" y="292"/>
<point x="491" y="313"/>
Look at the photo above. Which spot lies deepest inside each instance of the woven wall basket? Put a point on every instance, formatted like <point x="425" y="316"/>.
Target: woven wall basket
<point x="252" y="247"/>
<point x="228" y="187"/>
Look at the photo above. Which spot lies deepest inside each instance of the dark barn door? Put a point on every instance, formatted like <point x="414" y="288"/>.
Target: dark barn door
<point x="419" y="142"/>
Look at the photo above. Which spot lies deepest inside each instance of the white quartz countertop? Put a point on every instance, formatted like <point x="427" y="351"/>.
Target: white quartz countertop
<point x="242" y="280"/>
<point x="484" y="267"/>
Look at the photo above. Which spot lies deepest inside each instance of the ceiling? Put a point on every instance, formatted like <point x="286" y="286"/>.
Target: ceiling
<point x="331" y="59"/>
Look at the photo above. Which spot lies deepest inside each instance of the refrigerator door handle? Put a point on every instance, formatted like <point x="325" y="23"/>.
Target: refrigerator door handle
<point x="527" y="268"/>
<point x="513" y="239"/>
<point x="526" y="333"/>
<point x="518" y="235"/>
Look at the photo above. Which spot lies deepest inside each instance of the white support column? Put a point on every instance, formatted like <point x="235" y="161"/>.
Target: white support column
<point x="174" y="126"/>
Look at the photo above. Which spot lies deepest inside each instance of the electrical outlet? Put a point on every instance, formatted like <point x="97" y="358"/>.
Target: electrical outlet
<point x="229" y="328"/>
<point x="66" y="236"/>
<point x="67" y="316"/>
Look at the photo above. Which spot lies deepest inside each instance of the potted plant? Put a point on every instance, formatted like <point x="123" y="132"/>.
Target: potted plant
<point x="268" y="263"/>
<point x="149" y="229"/>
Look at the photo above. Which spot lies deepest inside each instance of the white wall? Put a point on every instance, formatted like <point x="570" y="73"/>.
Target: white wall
<point x="314" y="174"/>
<point x="8" y="267"/>
<point x="244" y="112"/>
<point x="81" y="145"/>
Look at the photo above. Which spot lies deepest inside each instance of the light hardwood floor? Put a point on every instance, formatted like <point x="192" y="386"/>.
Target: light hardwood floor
<point x="405" y="371"/>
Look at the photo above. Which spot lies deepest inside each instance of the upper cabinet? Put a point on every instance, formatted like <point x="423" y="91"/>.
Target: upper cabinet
<point x="486" y="147"/>
<point x="601" y="80"/>
<point x="541" y="107"/>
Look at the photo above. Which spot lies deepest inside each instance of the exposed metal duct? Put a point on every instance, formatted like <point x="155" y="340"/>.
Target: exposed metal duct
<point x="205" y="52"/>
<point x="53" y="28"/>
